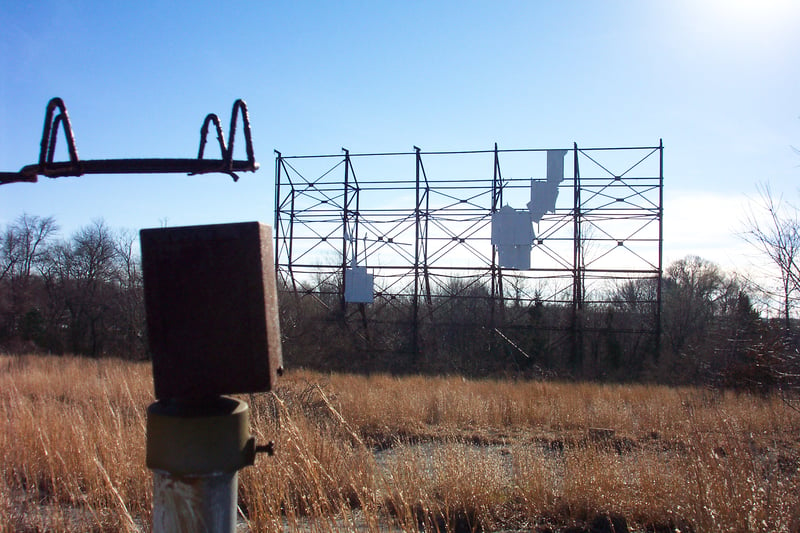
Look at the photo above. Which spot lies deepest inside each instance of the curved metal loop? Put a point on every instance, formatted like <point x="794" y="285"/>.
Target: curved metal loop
<point x="57" y="118"/>
<point x="239" y="106"/>
<point x="50" y="135"/>
<point x="211" y="117"/>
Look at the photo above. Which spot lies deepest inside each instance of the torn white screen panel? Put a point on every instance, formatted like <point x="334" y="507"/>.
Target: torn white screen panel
<point x="555" y="166"/>
<point x="514" y="256"/>
<point x="543" y="199"/>
<point x="358" y="285"/>
<point x="511" y="227"/>
<point x="512" y="233"/>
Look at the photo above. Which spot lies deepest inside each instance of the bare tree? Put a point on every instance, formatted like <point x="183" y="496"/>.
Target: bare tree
<point x="774" y="230"/>
<point x="23" y="244"/>
<point x="692" y="286"/>
<point x="130" y="301"/>
<point x="80" y="278"/>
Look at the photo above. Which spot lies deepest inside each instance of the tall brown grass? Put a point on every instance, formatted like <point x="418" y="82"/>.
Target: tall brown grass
<point x="378" y="453"/>
<point x="71" y="444"/>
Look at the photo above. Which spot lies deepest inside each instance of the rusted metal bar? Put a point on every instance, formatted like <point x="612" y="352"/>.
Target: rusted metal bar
<point x="56" y="118"/>
<point x="16" y="177"/>
<point x="135" y="166"/>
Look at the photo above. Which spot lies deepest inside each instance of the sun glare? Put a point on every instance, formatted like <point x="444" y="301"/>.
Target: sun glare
<point x="748" y="19"/>
<point x="744" y="31"/>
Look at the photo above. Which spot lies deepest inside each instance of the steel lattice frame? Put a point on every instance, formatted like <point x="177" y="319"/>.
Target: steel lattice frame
<point x="421" y="223"/>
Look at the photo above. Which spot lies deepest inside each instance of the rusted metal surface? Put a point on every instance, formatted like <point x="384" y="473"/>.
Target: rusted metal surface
<point x="199" y="438"/>
<point x="57" y="118"/>
<point x="212" y="317"/>
<point x="212" y="309"/>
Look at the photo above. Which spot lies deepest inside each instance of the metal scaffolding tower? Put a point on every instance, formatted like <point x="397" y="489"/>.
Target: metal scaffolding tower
<point x="420" y="222"/>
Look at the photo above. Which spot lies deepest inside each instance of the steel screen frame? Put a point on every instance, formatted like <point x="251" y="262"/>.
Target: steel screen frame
<point x="420" y="221"/>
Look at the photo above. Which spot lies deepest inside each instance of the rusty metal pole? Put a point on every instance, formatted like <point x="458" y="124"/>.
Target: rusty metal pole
<point x="195" y="451"/>
<point x="200" y="503"/>
<point x="212" y="319"/>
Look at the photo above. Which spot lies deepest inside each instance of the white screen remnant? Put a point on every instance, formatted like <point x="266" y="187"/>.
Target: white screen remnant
<point x="545" y="193"/>
<point x="513" y="235"/>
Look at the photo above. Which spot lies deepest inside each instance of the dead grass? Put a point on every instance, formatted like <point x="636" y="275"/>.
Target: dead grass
<point x="379" y="452"/>
<point x="71" y="444"/>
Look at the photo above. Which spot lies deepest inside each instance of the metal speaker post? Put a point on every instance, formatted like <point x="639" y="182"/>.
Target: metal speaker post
<point x="212" y="317"/>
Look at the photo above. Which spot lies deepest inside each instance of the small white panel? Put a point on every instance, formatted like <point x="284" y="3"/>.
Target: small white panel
<point x="358" y="285"/>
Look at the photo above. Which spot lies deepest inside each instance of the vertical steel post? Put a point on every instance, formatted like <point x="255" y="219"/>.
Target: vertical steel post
<point x="577" y="288"/>
<point x="497" y="276"/>
<point x="660" y="245"/>
<point x="290" y="254"/>
<point x="278" y="228"/>
<point x="497" y="206"/>
<point x="415" y="300"/>
<point x="425" y="220"/>
<point x="357" y="213"/>
<point x="345" y="228"/>
<point x="284" y="243"/>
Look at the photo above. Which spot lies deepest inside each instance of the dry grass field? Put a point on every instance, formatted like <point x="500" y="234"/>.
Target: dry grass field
<point x="407" y="454"/>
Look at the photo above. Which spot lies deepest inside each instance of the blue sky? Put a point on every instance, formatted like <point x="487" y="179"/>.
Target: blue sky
<point x="718" y="81"/>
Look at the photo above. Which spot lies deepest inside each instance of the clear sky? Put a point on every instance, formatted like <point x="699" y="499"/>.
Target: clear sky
<point x="718" y="80"/>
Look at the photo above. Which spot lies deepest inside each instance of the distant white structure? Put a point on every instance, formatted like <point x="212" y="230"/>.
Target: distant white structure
<point x="359" y="287"/>
<point x="545" y="193"/>
<point x="512" y="233"/>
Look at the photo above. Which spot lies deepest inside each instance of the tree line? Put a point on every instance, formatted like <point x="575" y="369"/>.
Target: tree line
<point x="83" y="295"/>
<point x="711" y="332"/>
<point x="80" y="295"/>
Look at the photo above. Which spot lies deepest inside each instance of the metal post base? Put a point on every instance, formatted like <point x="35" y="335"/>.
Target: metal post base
<point x="192" y="504"/>
<point x="195" y="450"/>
